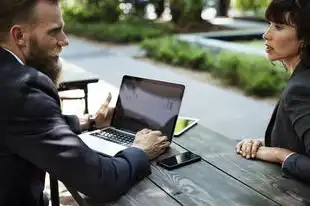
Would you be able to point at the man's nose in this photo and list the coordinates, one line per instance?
(64, 42)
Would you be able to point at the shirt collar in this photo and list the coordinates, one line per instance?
(17, 58)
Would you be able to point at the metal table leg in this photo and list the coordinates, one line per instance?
(86, 99)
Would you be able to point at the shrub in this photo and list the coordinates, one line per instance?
(263, 78)
(173, 51)
(91, 11)
(252, 5)
(120, 32)
(226, 66)
(253, 74)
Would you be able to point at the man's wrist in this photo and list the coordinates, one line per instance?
(84, 122)
(140, 148)
(91, 122)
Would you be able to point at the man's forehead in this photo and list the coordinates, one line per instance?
(48, 14)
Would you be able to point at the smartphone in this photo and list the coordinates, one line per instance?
(183, 124)
(179, 160)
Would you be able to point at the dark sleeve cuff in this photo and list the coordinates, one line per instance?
(288, 164)
(74, 123)
(139, 162)
(296, 166)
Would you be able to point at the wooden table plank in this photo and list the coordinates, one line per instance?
(195, 184)
(263, 177)
(144, 193)
(202, 184)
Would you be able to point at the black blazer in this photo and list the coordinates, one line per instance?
(289, 126)
(36, 138)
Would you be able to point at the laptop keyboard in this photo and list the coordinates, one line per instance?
(115, 136)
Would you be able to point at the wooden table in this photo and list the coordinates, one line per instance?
(222, 178)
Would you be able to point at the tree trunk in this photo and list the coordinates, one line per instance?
(140, 6)
(222, 7)
(159, 7)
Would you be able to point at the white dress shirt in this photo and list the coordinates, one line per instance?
(17, 58)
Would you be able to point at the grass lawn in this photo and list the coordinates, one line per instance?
(255, 43)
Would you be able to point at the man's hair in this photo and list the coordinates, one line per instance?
(15, 12)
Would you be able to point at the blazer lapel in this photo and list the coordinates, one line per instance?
(299, 68)
(270, 126)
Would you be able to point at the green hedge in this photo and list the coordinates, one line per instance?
(119, 32)
(253, 74)
(91, 10)
(254, 5)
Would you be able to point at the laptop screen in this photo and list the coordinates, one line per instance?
(144, 103)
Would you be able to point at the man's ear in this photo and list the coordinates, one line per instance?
(19, 35)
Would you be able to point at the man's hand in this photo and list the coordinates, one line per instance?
(273, 154)
(248, 148)
(104, 114)
(151, 142)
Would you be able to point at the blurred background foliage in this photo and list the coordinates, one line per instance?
(124, 21)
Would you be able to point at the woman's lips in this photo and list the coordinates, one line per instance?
(268, 48)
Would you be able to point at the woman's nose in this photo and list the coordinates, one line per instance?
(266, 35)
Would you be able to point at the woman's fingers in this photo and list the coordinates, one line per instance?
(239, 146)
(255, 147)
(248, 150)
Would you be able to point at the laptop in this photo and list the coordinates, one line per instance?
(141, 103)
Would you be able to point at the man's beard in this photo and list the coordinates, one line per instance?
(42, 61)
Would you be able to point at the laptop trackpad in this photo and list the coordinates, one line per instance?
(101, 145)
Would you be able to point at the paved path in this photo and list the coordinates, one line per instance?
(221, 110)
(238, 23)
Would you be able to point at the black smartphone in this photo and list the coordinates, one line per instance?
(179, 160)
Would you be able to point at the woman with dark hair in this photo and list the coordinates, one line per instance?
(287, 137)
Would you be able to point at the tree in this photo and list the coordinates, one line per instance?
(186, 11)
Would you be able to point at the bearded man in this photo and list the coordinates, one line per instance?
(35, 136)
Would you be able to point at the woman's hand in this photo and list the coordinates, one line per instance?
(248, 148)
(254, 149)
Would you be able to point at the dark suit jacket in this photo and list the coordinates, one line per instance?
(289, 126)
(36, 138)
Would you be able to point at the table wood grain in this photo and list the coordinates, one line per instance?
(265, 178)
(221, 178)
(144, 193)
(202, 184)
